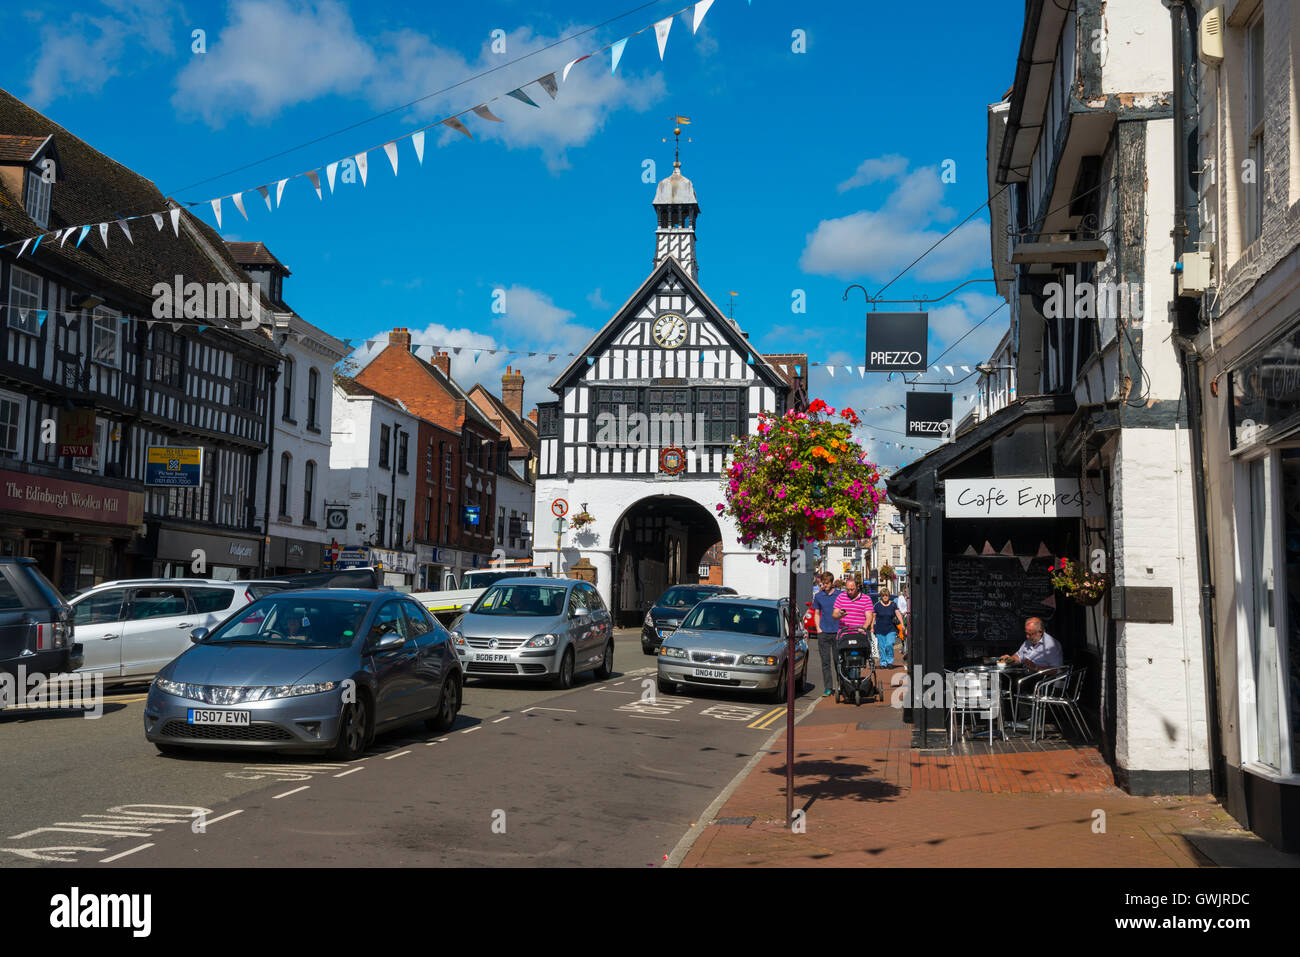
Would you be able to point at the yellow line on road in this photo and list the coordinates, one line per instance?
(770, 716)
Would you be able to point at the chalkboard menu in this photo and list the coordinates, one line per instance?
(989, 597)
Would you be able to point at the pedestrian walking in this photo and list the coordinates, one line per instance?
(853, 608)
(824, 609)
(888, 625)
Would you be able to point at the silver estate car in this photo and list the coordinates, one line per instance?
(536, 628)
(734, 642)
(307, 670)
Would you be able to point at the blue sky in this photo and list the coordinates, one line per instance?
(814, 169)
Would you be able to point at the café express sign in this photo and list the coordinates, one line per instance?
(1018, 498)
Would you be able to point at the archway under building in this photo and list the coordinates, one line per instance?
(659, 541)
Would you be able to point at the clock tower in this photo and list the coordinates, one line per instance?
(677, 210)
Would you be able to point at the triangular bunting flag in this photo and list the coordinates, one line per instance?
(661, 34)
(391, 150)
(238, 199)
(66, 233)
(216, 210)
(616, 54)
(564, 76)
(1024, 562)
(476, 355)
(701, 9)
(347, 343)
(103, 234)
(330, 171)
(848, 369)
(176, 220)
(988, 549)
(1042, 551)
(522, 97)
(24, 247)
(176, 326)
(361, 166)
(455, 350)
(157, 220)
(1007, 549)
(315, 181)
(41, 315)
(548, 84)
(279, 192)
(970, 550)
(125, 228)
(84, 231)
(37, 243)
(266, 197)
(204, 328)
(482, 111)
(831, 370)
(458, 126)
(964, 369)
(949, 368)
(591, 360)
(862, 372)
(417, 140)
(1049, 601)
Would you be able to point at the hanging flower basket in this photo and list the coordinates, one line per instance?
(581, 520)
(1081, 586)
(887, 573)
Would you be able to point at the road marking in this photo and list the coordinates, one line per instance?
(294, 791)
(397, 755)
(499, 720)
(617, 683)
(352, 771)
(56, 853)
(475, 728)
(223, 817)
(115, 857)
(442, 739)
(612, 691)
(732, 712)
(602, 687)
(650, 717)
(569, 710)
(767, 720)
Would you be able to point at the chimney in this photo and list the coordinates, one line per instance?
(401, 338)
(443, 362)
(533, 415)
(512, 391)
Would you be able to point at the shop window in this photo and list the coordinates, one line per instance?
(11, 425)
(24, 300)
(94, 463)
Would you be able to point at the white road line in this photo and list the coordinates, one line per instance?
(499, 720)
(352, 771)
(142, 847)
(475, 728)
(601, 688)
(443, 739)
(397, 755)
(222, 818)
(617, 683)
(650, 717)
(294, 791)
(429, 744)
(569, 710)
(612, 691)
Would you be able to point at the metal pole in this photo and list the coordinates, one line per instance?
(789, 710)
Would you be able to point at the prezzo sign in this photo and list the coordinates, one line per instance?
(1018, 498)
(929, 414)
(896, 341)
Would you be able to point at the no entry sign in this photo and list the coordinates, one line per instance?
(559, 508)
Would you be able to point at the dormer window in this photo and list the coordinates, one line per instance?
(36, 199)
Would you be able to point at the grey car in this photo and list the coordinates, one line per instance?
(539, 628)
(734, 642)
(324, 669)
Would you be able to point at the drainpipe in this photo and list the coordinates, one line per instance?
(1186, 227)
(272, 377)
(918, 556)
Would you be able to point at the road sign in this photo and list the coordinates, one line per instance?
(557, 526)
(559, 508)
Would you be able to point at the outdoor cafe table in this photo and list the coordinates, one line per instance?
(1007, 674)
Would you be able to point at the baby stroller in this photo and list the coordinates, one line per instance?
(855, 660)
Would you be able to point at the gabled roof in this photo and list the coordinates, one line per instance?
(606, 335)
(450, 384)
(20, 149)
(520, 425)
(354, 389)
(255, 254)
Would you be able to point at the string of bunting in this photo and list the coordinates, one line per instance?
(360, 161)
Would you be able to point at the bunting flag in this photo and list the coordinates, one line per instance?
(315, 181)
(361, 159)
(417, 140)
(266, 197)
(1043, 551)
(1007, 549)
(176, 220)
(550, 358)
(564, 75)
(157, 220)
(548, 84)
(458, 126)
(484, 113)
(391, 150)
(279, 192)
(661, 34)
(126, 229)
(41, 315)
(701, 9)
(616, 54)
(988, 549)
(85, 230)
(103, 234)
(831, 370)
(66, 233)
(330, 171)
(970, 550)
(216, 210)
(1024, 562)
(1049, 601)
(522, 97)
(204, 328)
(238, 199)
(591, 360)
(24, 247)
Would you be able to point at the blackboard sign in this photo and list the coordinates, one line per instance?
(989, 597)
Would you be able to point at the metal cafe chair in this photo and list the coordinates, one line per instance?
(1048, 693)
(975, 693)
(1070, 703)
(1022, 689)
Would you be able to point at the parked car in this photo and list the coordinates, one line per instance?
(35, 624)
(734, 642)
(666, 614)
(537, 628)
(131, 628)
(321, 669)
(447, 606)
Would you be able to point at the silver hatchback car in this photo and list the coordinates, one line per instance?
(734, 642)
(536, 628)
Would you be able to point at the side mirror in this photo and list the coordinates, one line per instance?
(198, 634)
(388, 641)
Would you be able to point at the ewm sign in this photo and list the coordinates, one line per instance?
(897, 341)
(929, 414)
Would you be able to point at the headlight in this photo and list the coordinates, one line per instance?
(649, 620)
(221, 695)
(540, 641)
(171, 687)
(457, 637)
(290, 691)
(669, 652)
(768, 660)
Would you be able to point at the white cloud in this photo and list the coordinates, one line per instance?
(597, 301)
(877, 244)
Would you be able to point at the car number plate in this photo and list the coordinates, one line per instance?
(491, 657)
(243, 718)
(711, 673)
(666, 632)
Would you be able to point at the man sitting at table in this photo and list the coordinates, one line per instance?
(1039, 650)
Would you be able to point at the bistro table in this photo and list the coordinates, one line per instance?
(1006, 674)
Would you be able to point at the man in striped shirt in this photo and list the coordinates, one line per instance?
(853, 608)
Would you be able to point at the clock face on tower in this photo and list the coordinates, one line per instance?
(670, 330)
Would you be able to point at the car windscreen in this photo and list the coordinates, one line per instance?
(483, 579)
(46, 587)
(522, 599)
(307, 622)
(683, 596)
(758, 620)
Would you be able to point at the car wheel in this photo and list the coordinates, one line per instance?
(449, 708)
(354, 730)
(667, 687)
(606, 666)
(171, 750)
(648, 649)
(777, 694)
(565, 677)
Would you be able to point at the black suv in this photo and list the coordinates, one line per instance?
(35, 622)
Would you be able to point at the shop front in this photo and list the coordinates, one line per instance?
(399, 568)
(78, 532)
(290, 556)
(182, 553)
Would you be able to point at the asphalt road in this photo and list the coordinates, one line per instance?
(608, 773)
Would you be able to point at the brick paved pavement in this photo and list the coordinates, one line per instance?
(872, 801)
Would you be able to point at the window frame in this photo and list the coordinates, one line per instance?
(1255, 114)
(290, 369)
(385, 441)
(313, 399)
(107, 321)
(308, 490)
(167, 358)
(19, 426)
(14, 319)
(43, 195)
(286, 470)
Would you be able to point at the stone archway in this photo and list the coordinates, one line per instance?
(658, 541)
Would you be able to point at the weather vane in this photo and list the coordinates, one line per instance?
(680, 121)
